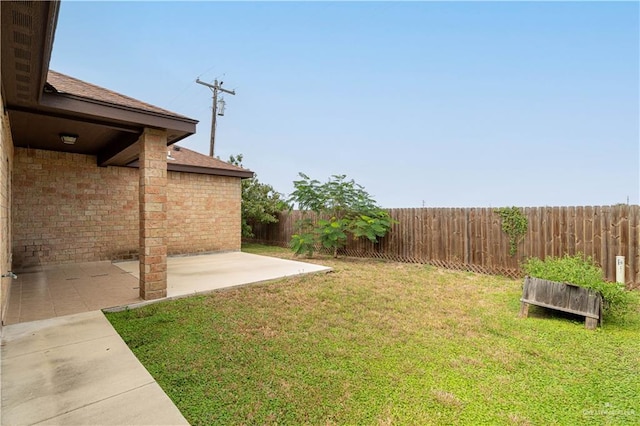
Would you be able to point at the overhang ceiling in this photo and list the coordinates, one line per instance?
(107, 124)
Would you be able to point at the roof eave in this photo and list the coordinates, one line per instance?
(184, 168)
(85, 106)
(52, 24)
(243, 174)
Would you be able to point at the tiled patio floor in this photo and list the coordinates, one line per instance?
(59, 290)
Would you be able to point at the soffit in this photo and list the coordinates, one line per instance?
(27, 34)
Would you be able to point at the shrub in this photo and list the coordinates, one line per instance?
(583, 272)
(350, 210)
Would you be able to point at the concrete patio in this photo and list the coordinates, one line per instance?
(57, 290)
(189, 275)
(70, 367)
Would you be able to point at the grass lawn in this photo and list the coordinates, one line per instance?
(379, 342)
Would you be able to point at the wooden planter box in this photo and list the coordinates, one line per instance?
(562, 297)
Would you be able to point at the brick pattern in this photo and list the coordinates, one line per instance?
(6, 163)
(153, 214)
(66, 210)
(202, 220)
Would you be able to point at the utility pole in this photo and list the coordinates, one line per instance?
(215, 88)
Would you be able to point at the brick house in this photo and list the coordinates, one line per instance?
(88, 174)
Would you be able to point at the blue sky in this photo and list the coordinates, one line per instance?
(441, 104)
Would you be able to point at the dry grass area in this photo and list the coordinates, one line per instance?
(384, 343)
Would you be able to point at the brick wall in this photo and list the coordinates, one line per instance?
(199, 220)
(66, 209)
(6, 163)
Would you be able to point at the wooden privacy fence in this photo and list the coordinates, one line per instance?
(472, 238)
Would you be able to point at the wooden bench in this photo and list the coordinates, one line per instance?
(564, 297)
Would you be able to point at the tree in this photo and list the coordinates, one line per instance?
(260, 202)
(343, 207)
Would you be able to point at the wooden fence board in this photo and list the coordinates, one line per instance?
(571, 230)
(472, 238)
(633, 262)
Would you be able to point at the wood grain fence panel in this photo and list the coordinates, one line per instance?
(494, 235)
(545, 229)
(414, 231)
(541, 252)
(539, 241)
(588, 231)
(484, 240)
(444, 240)
(571, 231)
(624, 233)
(606, 246)
(426, 248)
(598, 213)
(616, 245)
(579, 229)
(555, 232)
(436, 229)
(465, 236)
(453, 245)
(406, 235)
(472, 238)
(449, 250)
(462, 234)
(562, 231)
(488, 231)
(634, 243)
(420, 234)
(609, 235)
(481, 238)
(430, 219)
(409, 234)
(460, 219)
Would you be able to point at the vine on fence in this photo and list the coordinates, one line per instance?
(514, 224)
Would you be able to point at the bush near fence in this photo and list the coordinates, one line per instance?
(472, 239)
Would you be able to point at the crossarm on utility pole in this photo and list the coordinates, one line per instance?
(215, 88)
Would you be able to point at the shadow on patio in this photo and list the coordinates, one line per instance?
(59, 290)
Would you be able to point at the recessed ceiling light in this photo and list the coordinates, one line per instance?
(68, 139)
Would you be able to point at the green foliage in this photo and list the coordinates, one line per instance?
(260, 202)
(304, 241)
(350, 210)
(333, 232)
(372, 226)
(514, 224)
(582, 272)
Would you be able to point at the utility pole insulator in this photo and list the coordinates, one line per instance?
(215, 88)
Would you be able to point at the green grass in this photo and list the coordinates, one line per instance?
(384, 343)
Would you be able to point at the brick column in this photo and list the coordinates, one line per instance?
(153, 214)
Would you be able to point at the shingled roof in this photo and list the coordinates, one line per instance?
(61, 83)
(180, 159)
(185, 157)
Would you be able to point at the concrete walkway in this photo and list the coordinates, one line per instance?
(76, 370)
